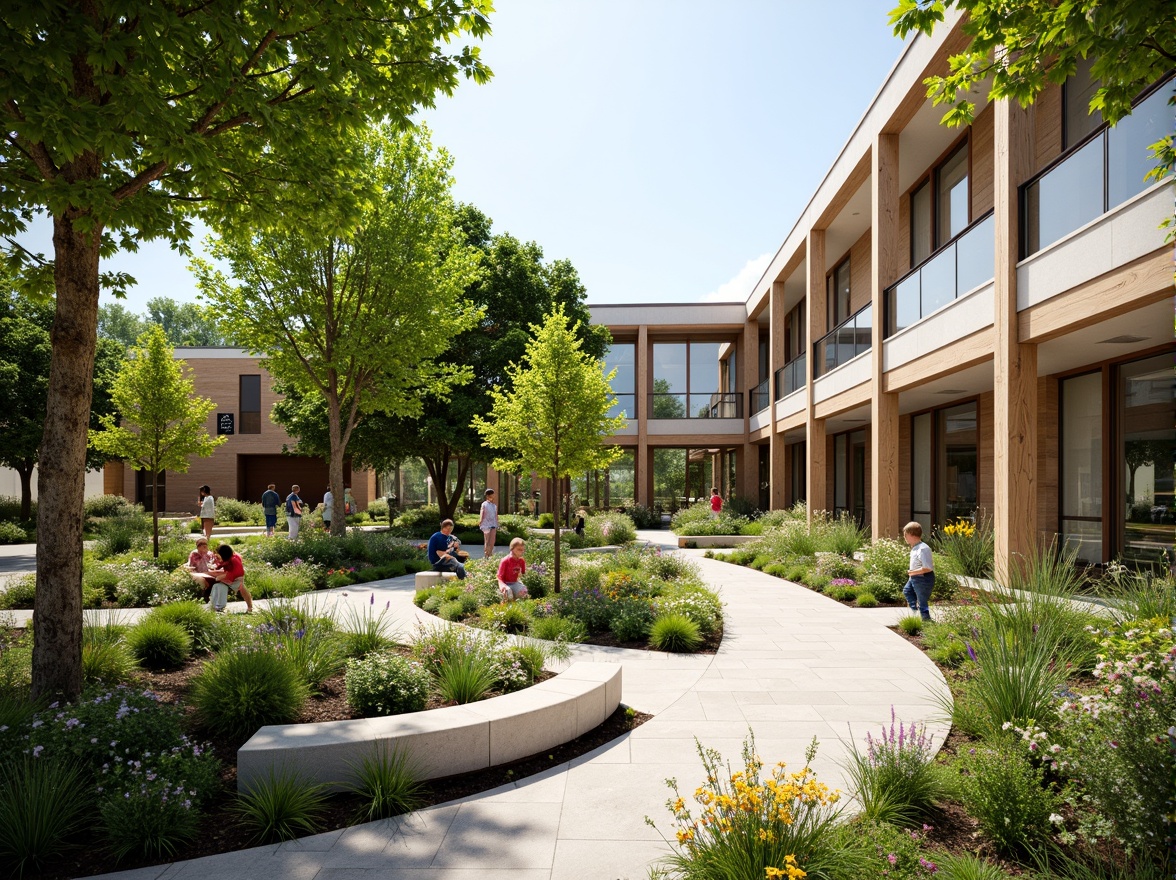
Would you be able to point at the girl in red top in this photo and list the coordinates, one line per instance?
(200, 563)
(232, 573)
(716, 503)
(510, 570)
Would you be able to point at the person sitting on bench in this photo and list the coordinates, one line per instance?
(443, 549)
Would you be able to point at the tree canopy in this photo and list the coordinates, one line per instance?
(183, 323)
(160, 423)
(554, 417)
(121, 119)
(357, 320)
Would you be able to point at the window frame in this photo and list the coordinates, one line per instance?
(930, 178)
(250, 426)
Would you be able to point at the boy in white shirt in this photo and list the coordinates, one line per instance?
(920, 574)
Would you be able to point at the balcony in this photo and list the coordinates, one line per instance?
(759, 397)
(1097, 176)
(963, 264)
(791, 376)
(716, 405)
(844, 342)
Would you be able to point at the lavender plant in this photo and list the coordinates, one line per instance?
(896, 779)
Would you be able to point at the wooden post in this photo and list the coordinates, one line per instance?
(778, 469)
(884, 249)
(642, 461)
(815, 428)
(1014, 363)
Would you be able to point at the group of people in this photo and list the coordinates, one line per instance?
(217, 573)
(270, 499)
(445, 553)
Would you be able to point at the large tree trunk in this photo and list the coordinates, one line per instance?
(335, 467)
(25, 471)
(438, 469)
(61, 476)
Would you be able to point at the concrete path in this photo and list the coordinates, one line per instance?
(793, 665)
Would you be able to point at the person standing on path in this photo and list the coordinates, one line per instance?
(488, 523)
(270, 500)
(207, 510)
(921, 572)
(328, 507)
(294, 512)
(716, 503)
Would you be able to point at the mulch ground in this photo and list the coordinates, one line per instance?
(223, 834)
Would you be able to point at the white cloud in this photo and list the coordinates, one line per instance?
(739, 287)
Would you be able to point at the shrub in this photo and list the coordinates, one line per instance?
(107, 663)
(894, 853)
(593, 608)
(643, 517)
(466, 677)
(159, 644)
(675, 633)
(883, 588)
(232, 510)
(365, 632)
(122, 532)
(42, 801)
(896, 779)
(632, 621)
(944, 645)
(837, 567)
(609, 528)
(842, 535)
(150, 814)
(1005, 793)
(699, 604)
(109, 505)
(966, 866)
(282, 806)
(912, 624)
(100, 577)
(557, 628)
(196, 619)
(141, 584)
(386, 684)
(389, 784)
(11, 533)
(546, 521)
(750, 824)
(239, 691)
(866, 600)
(969, 545)
(19, 592)
(889, 559)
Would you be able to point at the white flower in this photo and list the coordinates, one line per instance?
(1056, 819)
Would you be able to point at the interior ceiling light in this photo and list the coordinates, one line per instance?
(1122, 340)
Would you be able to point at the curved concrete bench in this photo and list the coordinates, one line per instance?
(442, 742)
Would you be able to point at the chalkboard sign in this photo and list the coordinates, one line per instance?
(225, 422)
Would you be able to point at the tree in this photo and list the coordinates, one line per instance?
(120, 119)
(183, 323)
(553, 418)
(666, 404)
(25, 348)
(357, 319)
(117, 322)
(1024, 46)
(161, 424)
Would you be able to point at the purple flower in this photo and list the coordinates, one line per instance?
(892, 858)
(372, 601)
(37, 751)
(971, 652)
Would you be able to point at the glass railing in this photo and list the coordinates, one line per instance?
(759, 396)
(696, 406)
(844, 342)
(963, 264)
(1099, 175)
(790, 377)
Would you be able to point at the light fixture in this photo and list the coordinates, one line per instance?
(1122, 340)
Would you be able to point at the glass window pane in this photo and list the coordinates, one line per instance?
(957, 462)
(840, 473)
(704, 367)
(904, 304)
(1129, 158)
(1081, 465)
(669, 478)
(669, 367)
(939, 279)
(1066, 198)
(974, 256)
(1076, 95)
(250, 394)
(951, 196)
(621, 356)
(843, 291)
(921, 469)
(921, 224)
(625, 406)
(863, 327)
(620, 482)
(1147, 452)
(667, 406)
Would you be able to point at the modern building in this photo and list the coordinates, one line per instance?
(959, 320)
(255, 449)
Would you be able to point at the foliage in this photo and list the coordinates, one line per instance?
(554, 417)
(1137, 595)
(592, 607)
(604, 529)
(841, 535)
(1005, 792)
(966, 866)
(11, 533)
(887, 558)
(676, 633)
(697, 519)
(866, 600)
(159, 644)
(121, 532)
(141, 584)
(42, 801)
(196, 619)
(184, 323)
(896, 779)
(388, 782)
(894, 853)
(355, 321)
(386, 684)
(241, 690)
(18, 592)
(643, 517)
(912, 624)
(306, 642)
(282, 805)
(153, 816)
(750, 826)
(632, 620)
(466, 677)
(969, 545)
(555, 627)
(106, 662)
(364, 632)
(700, 605)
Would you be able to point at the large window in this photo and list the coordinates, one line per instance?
(837, 294)
(940, 205)
(621, 357)
(849, 475)
(1081, 472)
(798, 470)
(1146, 434)
(944, 465)
(686, 382)
(606, 489)
(249, 406)
(1077, 119)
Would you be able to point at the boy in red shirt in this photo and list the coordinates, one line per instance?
(510, 572)
(232, 574)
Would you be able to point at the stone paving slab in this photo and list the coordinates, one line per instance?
(793, 665)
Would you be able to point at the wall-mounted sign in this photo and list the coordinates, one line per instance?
(225, 422)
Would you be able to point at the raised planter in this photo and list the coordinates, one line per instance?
(715, 540)
(442, 742)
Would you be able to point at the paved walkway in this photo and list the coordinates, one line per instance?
(793, 665)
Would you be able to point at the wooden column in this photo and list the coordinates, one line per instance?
(815, 428)
(1014, 362)
(884, 248)
(642, 462)
(747, 464)
(779, 468)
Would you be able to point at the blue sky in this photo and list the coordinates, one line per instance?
(666, 149)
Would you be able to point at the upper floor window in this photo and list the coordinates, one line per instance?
(1078, 121)
(621, 357)
(794, 333)
(837, 294)
(249, 406)
(940, 205)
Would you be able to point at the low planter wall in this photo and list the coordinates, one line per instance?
(442, 742)
(715, 540)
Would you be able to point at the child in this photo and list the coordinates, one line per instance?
(488, 523)
(716, 503)
(232, 575)
(510, 570)
(200, 564)
(207, 511)
(920, 574)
